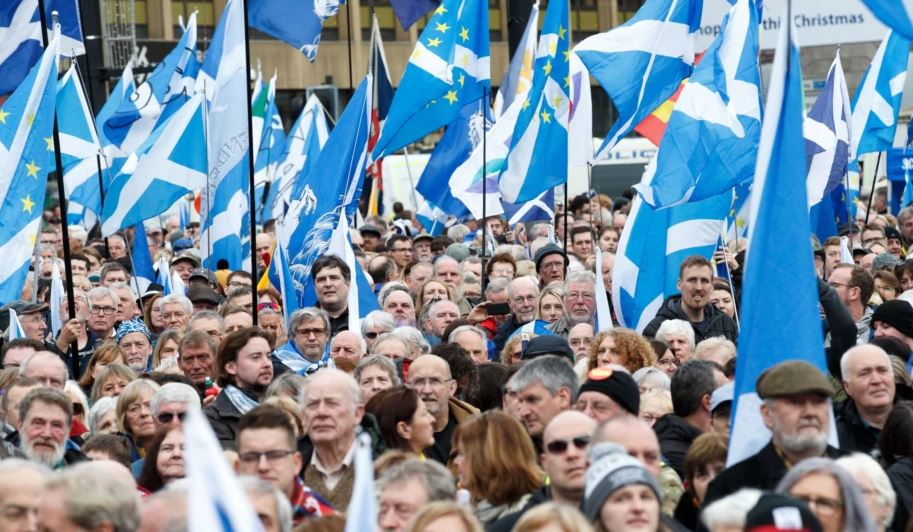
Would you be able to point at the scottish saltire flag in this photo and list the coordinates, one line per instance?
(383, 97)
(433, 219)
(71, 41)
(302, 145)
(448, 69)
(225, 216)
(778, 284)
(217, 502)
(827, 148)
(580, 122)
(163, 92)
(362, 514)
(409, 11)
(603, 316)
(121, 92)
(519, 77)
(641, 63)
(26, 156)
(280, 277)
(143, 272)
(171, 163)
(537, 160)
(14, 330)
(297, 22)
(653, 244)
(20, 42)
(328, 192)
(80, 148)
(895, 14)
(163, 275)
(58, 293)
(876, 103)
(535, 328)
(541, 207)
(712, 136)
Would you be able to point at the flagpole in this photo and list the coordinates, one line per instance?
(61, 192)
(250, 165)
(484, 184)
(872, 192)
(348, 42)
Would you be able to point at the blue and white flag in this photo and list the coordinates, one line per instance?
(171, 163)
(433, 219)
(329, 191)
(162, 93)
(20, 42)
(711, 139)
(304, 142)
(361, 514)
(779, 282)
(876, 103)
(535, 328)
(361, 299)
(653, 244)
(519, 77)
(297, 22)
(827, 148)
(217, 502)
(14, 330)
(643, 61)
(225, 216)
(895, 14)
(266, 164)
(281, 277)
(122, 91)
(541, 207)
(537, 160)
(26, 156)
(448, 69)
(71, 40)
(143, 272)
(80, 148)
(409, 11)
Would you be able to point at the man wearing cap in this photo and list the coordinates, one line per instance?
(894, 318)
(551, 264)
(796, 409)
(421, 247)
(31, 317)
(134, 338)
(548, 344)
(893, 242)
(608, 393)
(695, 283)
(545, 387)
(370, 237)
(721, 408)
(183, 264)
(869, 383)
(854, 286)
(203, 298)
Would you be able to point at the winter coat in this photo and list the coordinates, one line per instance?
(715, 323)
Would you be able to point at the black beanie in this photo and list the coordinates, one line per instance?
(898, 314)
(616, 385)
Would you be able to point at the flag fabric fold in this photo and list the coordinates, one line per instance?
(409, 11)
(303, 144)
(296, 22)
(895, 14)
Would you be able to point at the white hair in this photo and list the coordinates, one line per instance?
(676, 328)
(730, 511)
(846, 359)
(863, 465)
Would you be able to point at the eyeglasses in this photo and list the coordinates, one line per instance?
(825, 505)
(834, 284)
(434, 382)
(107, 311)
(167, 417)
(273, 457)
(560, 446)
(308, 332)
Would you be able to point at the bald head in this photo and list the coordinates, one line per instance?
(865, 352)
(636, 436)
(347, 344)
(332, 401)
(868, 379)
(430, 377)
(569, 420)
(433, 362)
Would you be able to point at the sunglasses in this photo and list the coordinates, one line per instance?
(167, 417)
(560, 446)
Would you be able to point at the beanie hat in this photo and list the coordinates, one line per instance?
(611, 468)
(898, 314)
(546, 250)
(775, 511)
(616, 385)
(457, 252)
(131, 326)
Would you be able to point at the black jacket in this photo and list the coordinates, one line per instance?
(763, 471)
(715, 323)
(507, 523)
(839, 322)
(224, 418)
(901, 476)
(504, 332)
(855, 434)
(675, 437)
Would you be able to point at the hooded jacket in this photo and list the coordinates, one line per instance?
(715, 322)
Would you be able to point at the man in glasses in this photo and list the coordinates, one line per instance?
(306, 350)
(564, 459)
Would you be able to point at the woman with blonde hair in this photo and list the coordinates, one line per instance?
(441, 515)
(623, 347)
(166, 346)
(513, 348)
(111, 381)
(496, 462)
(134, 416)
(553, 517)
(550, 306)
(431, 290)
(107, 353)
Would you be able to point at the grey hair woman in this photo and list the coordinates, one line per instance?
(875, 486)
(831, 493)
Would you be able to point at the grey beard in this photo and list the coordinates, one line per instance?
(811, 445)
(49, 460)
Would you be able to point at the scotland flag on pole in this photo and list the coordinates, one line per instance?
(895, 14)
(641, 63)
(448, 69)
(20, 42)
(653, 243)
(711, 139)
(163, 93)
(519, 76)
(171, 163)
(297, 22)
(80, 150)
(877, 100)
(538, 147)
(26, 155)
(327, 192)
(125, 87)
(302, 146)
(779, 282)
(225, 225)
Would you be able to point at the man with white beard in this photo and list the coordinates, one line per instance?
(46, 416)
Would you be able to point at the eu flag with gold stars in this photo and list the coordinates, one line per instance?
(449, 68)
(538, 150)
(26, 155)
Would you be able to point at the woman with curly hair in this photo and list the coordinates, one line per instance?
(623, 347)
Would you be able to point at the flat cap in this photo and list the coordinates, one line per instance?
(792, 378)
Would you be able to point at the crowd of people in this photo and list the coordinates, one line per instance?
(491, 398)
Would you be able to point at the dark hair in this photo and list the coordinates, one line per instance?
(582, 230)
(860, 278)
(896, 440)
(892, 346)
(111, 266)
(506, 258)
(150, 478)
(659, 347)
(79, 257)
(397, 238)
(462, 369)
(268, 417)
(20, 342)
(694, 260)
(382, 268)
(489, 393)
(161, 378)
(440, 243)
(389, 407)
(693, 380)
(331, 261)
(238, 273)
(231, 344)
(114, 446)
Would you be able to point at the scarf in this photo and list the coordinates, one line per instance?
(290, 356)
(243, 402)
